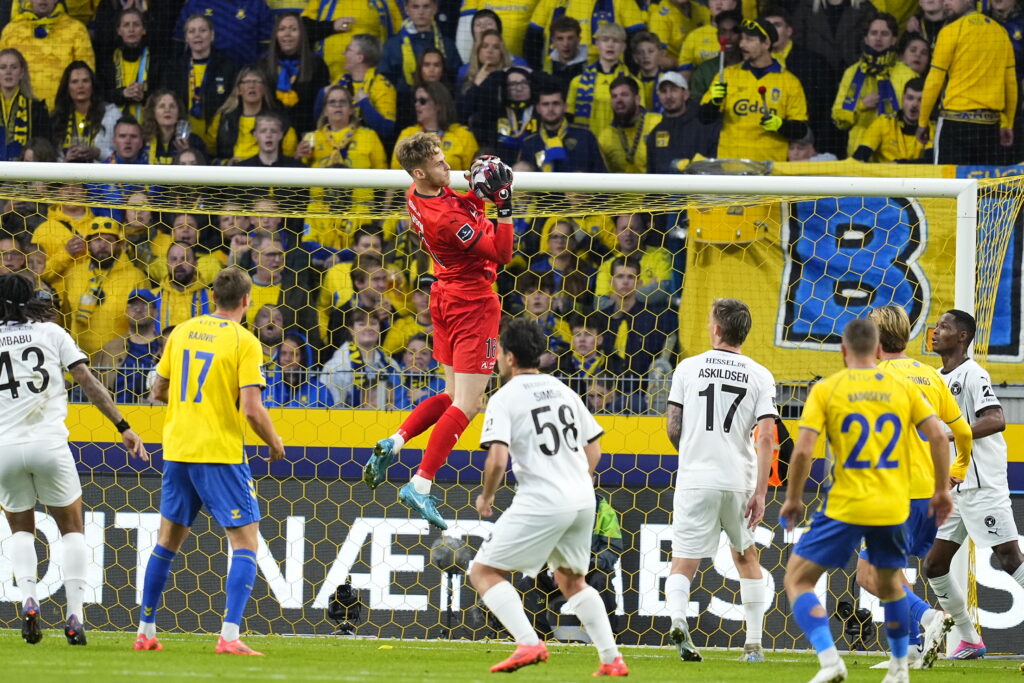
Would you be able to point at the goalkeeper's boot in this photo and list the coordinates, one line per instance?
(380, 460)
(931, 641)
(74, 631)
(616, 668)
(525, 655)
(424, 504)
(967, 650)
(680, 637)
(144, 643)
(30, 630)
(752, 652)
(235, 647)
(835, 673)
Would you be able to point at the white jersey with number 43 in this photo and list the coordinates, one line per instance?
(971, 387)
(33, 401)
(723, 396)
(545, 426)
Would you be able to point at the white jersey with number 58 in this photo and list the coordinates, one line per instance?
(971, 386)
(723, 396)
(545, 426)
(33, 401)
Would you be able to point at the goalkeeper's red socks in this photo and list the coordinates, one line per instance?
(423, 416)
(446, 434)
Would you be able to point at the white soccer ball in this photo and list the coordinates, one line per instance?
(478, 177)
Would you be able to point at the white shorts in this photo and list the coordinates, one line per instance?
(526, 541)
(983, 514)
(43, 471)
(699, 516)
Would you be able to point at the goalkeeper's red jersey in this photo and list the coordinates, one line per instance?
(462, 241)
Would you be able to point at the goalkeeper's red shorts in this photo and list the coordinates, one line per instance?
(465, 330)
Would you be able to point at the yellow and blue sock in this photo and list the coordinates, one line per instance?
(812, 618)
(897, 626)
(917, 608)
(158, 569)
(241, 577)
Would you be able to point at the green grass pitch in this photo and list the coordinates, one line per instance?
(109, 658)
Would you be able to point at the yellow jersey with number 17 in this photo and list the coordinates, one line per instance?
(869, 417)
(208, 360)
(934, 389)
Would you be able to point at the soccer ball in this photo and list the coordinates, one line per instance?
(478, 173)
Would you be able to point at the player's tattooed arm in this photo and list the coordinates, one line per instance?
(674, 423)
(990, 421)
(101, 398)
(158, 394)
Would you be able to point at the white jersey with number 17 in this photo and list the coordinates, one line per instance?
(972, 388)
(33, 401)
(545, 426)
(723, 396)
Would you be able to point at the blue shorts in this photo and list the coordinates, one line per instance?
(829, 543)
(920, 529)
(227, 491)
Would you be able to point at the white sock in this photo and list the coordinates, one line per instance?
(829, 657)
(952, 600)
(677, 596)
(421, 484)
(399, 441)
(76, 560)
(504, 603)
(755, 604)
(1018, 575)
(589, 608)
(229, 631)
(926, 618)
(147, 628)
(24, 563)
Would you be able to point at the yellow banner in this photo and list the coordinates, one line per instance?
(808, 267)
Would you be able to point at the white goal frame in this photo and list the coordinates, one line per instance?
(964, 191)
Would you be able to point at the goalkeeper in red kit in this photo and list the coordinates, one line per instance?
(467, 249)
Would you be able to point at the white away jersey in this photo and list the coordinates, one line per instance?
(723, 395)
(33, 401)
(545, 425)
(970, 385)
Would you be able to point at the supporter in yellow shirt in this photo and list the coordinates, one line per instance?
(375, 98)
(333, 24)
(435, 113)
(655, 261)
(874, 85)
(673, 20)
(701, 44)
(514, 16)
(624, 143)
(182, 293)
(589, 97)
(97, 288)
(760, 104)
(973, 71)
(893, 137)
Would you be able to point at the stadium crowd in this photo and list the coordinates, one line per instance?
(340, 305)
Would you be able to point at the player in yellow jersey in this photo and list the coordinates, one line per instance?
(920, 528)
(869, 415)
(210, 377)
(761, 105)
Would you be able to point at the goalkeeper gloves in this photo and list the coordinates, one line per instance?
(495, 184)
(718, 90)
(771, 122)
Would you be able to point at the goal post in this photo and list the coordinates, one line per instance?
(771, 240)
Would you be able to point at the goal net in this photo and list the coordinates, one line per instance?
(806, 253)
